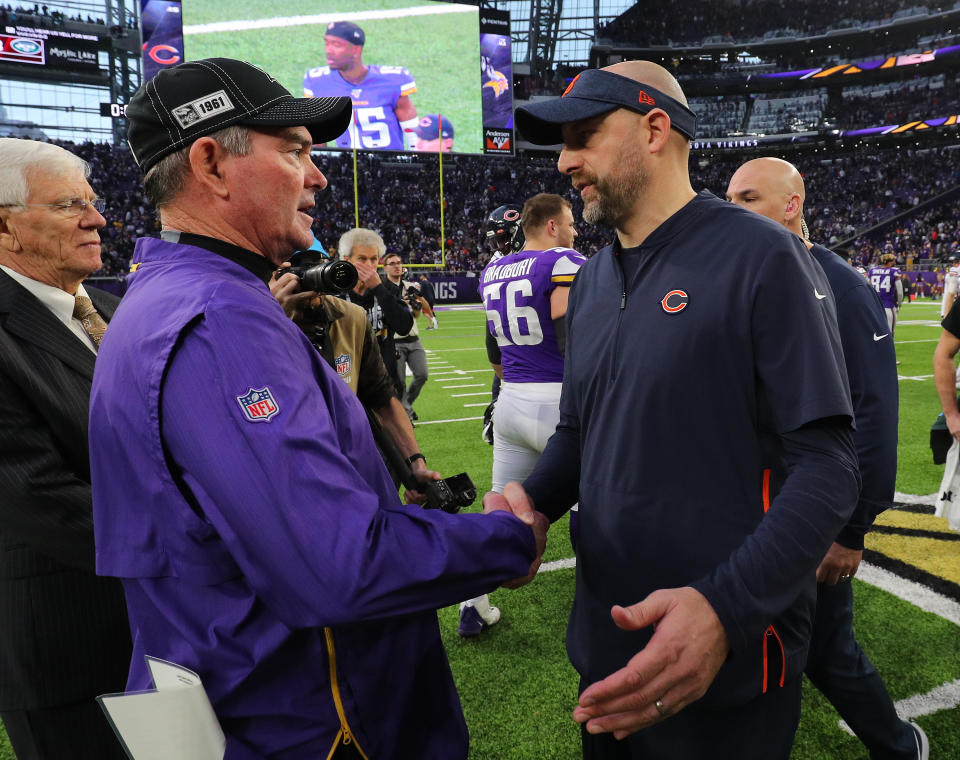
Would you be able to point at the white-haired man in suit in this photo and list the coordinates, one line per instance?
(64, 635)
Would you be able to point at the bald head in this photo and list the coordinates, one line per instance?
(772, 187)
(651, 74)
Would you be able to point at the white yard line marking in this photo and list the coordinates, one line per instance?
(441, 422)
(471, 385)
(464, 395)
(928, 340)
(918, 378)
(485, 403)
(449, 350)
(910, 591)
(462, 372)
(241, 25)
(946, 696)
(908, 498)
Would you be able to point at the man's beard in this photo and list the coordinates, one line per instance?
(615, 196)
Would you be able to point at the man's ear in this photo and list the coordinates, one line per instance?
(658, 123)
(793, 208)
(8, 240)
(206, 158)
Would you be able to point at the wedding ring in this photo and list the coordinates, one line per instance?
(660, 708)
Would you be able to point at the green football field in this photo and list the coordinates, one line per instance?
(515, 683)
(442, 52)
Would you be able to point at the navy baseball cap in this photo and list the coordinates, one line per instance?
(346, 31)
(594, 92)
(434, 125)
(197, 98)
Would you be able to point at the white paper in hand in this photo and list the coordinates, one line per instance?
(174, 721)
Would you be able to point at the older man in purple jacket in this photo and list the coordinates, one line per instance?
(237, 489)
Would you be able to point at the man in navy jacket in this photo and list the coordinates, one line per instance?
(698, 340)
(837, 666)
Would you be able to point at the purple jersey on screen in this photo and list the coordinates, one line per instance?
(374, 99)
(884, 281)
(516, 294)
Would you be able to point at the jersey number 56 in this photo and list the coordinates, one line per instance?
(515, 290)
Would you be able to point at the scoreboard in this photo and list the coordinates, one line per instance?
(55, 50)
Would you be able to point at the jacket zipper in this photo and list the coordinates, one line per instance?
(345, 736)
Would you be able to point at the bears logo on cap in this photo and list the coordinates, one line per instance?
(570, 86)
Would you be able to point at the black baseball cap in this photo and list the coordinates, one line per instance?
(346, 31)
(197, 98)
(594, 92)
(432, 126)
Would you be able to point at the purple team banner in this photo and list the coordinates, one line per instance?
(846, 69)
(455, 288)
(496, 81)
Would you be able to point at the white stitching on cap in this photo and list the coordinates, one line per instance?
(159, 111)
(218, 72)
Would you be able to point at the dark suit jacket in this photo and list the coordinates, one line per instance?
(64, 634)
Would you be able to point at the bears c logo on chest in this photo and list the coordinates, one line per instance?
(674, 301)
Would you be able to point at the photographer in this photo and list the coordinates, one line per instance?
(409, 349)
(386, 311)
(339, 330)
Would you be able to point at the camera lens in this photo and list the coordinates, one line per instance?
(330, 277)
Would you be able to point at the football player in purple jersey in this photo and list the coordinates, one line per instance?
(886, 281)
(384, 117)
(525, 296)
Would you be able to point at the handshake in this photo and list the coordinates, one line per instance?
(515, 501)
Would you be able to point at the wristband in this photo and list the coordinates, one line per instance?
(414, 457)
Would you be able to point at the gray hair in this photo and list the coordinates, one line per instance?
(360, 236)
(167, 177)
(19, 157)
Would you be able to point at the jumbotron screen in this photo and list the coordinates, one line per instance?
(28, 43)
(419, 73)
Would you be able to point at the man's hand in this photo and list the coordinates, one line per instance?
(516, 501)
(423, 475)
(674, 669)
(840, 565)
(367, 276)
(286, 289)
(953, 424)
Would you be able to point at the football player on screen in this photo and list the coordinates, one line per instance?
(384, 117)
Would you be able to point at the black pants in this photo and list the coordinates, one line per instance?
(759, 730)
(66, 732)
(841, 671)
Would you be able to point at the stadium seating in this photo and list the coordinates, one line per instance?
(849, 192)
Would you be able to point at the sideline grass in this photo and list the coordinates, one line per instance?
(515, 682)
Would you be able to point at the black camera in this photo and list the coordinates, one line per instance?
(331, 277)
(412, 296)
(450, 494)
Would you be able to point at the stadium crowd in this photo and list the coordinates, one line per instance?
(400, 199)
(740, 20)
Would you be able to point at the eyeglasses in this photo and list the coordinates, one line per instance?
(72, 207)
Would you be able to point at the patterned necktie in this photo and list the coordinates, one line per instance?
(86, 312)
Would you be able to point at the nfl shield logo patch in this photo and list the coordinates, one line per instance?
(343, 365)
(258, 405)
